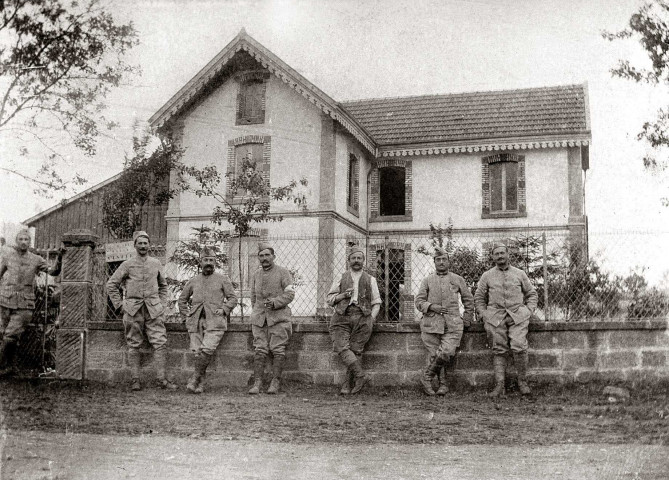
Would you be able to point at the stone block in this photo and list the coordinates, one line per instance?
(235, 361)
(481, 379)
(299, 377)
(545, 359)
(650, 358)
(104, 359)
(573, 360)
(587, 376)
(228, 379)
(556, 339)
(619, 359)
(548, 378)
(322, 378)
(633, 338)
(75, 306)
(70, 353)
(383, 379)
(319, 342)
(310, 361)
(236, 341)
(384, 342)
(99, 375)
(416, 361)
(379, 362)
(175, 360)
(108, 340)
(77, 264)
(474, 361)
(178, 341)
(414, 342)
(474, 342)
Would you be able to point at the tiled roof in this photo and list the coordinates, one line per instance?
(473, 116)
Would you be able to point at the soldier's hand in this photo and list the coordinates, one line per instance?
(269, 304)
(219, 311)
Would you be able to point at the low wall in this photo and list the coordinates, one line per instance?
(559, 352)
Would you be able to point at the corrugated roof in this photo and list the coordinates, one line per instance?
(471, 116)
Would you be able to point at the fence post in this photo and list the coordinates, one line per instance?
(76, 304)
(545, 272)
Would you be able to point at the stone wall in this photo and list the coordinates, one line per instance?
(559, 352)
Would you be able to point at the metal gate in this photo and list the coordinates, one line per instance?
(390, 278)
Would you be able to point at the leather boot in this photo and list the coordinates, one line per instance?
(499, 367)
(195, 381)
(359, 376)
(258, 370)
(160, 358)
(8, 350)
(277, 370)
(134, 363)
(348, 383)
(520, 359)
(430, 372)
(443, 385)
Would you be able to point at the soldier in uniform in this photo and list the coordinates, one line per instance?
(211, 298)
(271, 292)
(441, 325)
(18, 268)
(143, 308)
(505, 300)
(356, 300)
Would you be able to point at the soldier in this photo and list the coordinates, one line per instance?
(143, 308)
(505, 300)
(356, 300)
(18, 268)
(441, 325)
(271, 292)
(212, 298)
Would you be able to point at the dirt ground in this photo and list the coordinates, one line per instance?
(381, 423)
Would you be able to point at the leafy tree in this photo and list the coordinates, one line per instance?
(58, 62)
(649, 27)
(144, 182)
(249, 207)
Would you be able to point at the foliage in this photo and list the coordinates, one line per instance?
(58, 62)
(249, 206)
(144, 182)
(649, 26)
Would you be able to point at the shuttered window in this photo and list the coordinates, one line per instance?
(251, 108)
(504, 187)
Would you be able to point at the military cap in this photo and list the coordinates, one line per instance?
(23, 231)
(208, 251)
(439, 252)
(140, 233)
(497, 245)
(265, 246)
(356, 249)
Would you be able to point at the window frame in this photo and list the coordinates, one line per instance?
(251, 80)
(353, 185)
(375, 191)
(487, 186)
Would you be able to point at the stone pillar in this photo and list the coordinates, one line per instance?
(76, 305)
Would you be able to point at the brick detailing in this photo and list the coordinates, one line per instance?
(263, 167)
(485, 185)
(248, 80)
(69, 354)
(374, 202)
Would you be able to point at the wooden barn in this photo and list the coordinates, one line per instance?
(85, 211)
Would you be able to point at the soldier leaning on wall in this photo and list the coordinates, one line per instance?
(505, 300)
(212, 298)
(143, 308)
(441, 325)
(18, 268)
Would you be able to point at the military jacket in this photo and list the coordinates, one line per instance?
(17, 278)
(208, 293)
(505, 292)
(444, 290)
(275, 285)
(144, 283)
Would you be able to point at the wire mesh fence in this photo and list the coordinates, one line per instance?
(574, 281)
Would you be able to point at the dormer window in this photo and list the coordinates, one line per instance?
(251, 98)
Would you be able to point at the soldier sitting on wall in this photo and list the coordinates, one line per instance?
(212, 298)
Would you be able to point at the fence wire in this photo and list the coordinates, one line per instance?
(574, 281)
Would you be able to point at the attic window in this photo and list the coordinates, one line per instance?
(251, 99)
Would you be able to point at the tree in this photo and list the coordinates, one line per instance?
(649, 26)
(248, 207)
(58, 62)
(144, 182)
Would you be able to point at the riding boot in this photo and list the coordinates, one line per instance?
(195, 381)
(443, 377)
(520, 360)
(499, 367)
(134, 363)
(359, 376)
(258, 370)
(430, 372)
(160, 358)
(277, 370)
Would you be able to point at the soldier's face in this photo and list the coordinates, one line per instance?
(500, 256)
(22, 242)
(142, 245)
(356, 261)
(266, 258)
(441, 263)
(208, 265)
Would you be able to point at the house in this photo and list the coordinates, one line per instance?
(378, 170)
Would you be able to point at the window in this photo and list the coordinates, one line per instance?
(504, 187)
(392, 192)
(503, 178)
(254, 149)
(353, 184)
(250, 153)
(251, 100)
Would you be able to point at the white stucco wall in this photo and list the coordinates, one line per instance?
(450, 186)
(346, 145)
(293, 123)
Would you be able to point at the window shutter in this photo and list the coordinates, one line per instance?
(496, 186)
(511, 185)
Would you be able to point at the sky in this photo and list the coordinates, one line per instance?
(363, 49)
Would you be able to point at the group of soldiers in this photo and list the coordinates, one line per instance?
(504, 300)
